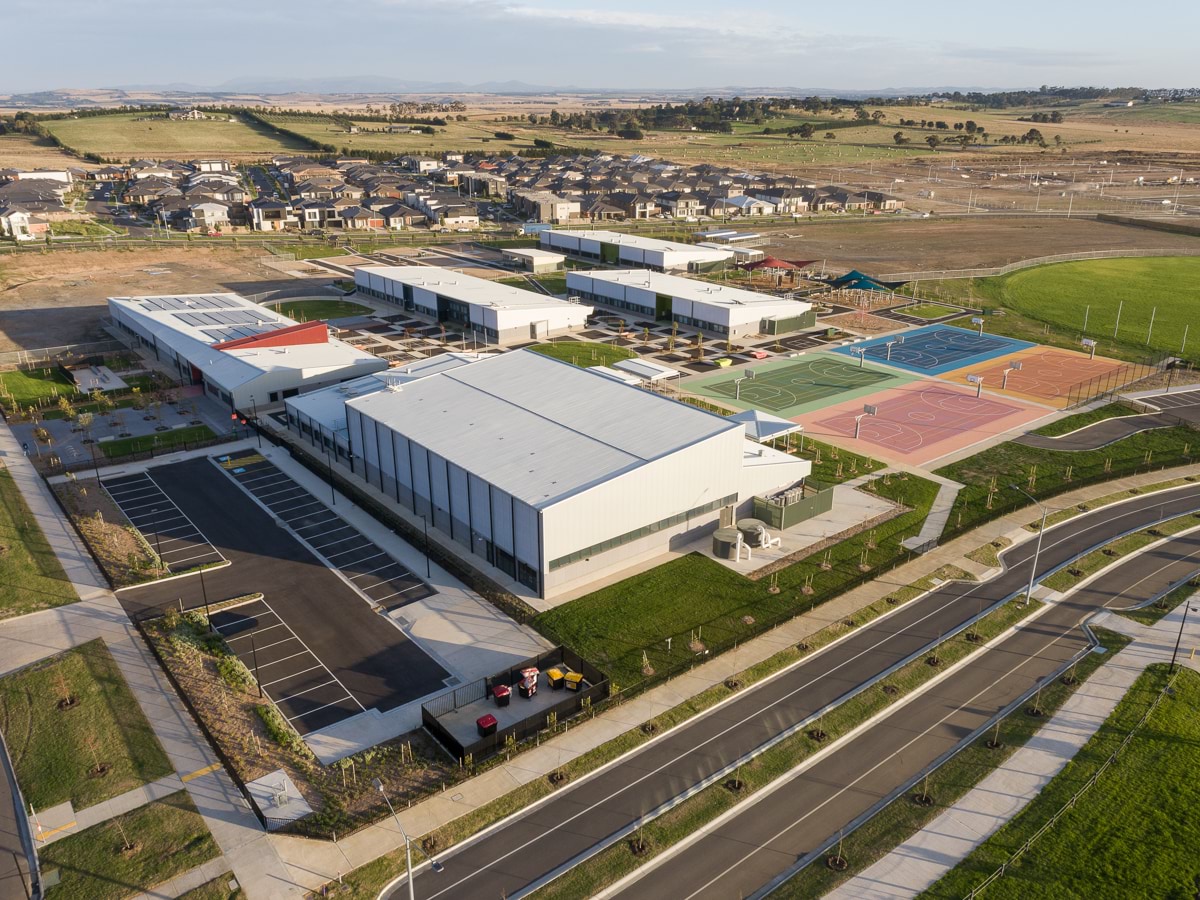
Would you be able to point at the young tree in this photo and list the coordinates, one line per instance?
(933, 140)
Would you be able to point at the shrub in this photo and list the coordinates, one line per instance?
(279, 730)
(235, 673)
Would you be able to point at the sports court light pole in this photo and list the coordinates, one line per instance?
(1037, 550)
(433, 863)
(1187, 606)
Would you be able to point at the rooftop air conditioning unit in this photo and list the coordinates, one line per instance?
(393, 381)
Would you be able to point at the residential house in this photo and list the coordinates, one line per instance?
(316, 214)
(359, 218)
(880, 200)
(185, 114)
(741, 205)
(681, 204)
(786, 200)
(545, 206)
(634, 205)
(272, 215)
(20, 224)
(422, 165)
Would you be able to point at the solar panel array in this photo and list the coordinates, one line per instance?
(233, 332)
(204, 301)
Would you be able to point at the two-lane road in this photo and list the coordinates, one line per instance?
(582, 818)
(752, 852)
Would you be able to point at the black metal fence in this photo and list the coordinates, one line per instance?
(572, 702)
(97, 460)
(1115, 380)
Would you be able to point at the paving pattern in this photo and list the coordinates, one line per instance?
(163, 524)
(340, 544)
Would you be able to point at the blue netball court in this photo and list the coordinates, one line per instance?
(934, 350)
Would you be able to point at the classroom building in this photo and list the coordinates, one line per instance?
(715, 308)
(242, 353)
(614, 248)
(486, 311)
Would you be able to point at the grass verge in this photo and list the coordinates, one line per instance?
(1133, 834)
(989, 554)
(617, 861)
(1045, 473)
(1062, 515)
(900, 820)
(34, 387)
(1067, 424)
(31, 577)
(163, 440)
(703, 606)
(75, 731)
(164, 839)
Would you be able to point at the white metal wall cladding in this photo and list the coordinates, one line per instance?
(696, 475)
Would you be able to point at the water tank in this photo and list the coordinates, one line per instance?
(750, 529)
(724, 545)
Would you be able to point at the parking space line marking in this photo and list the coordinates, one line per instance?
(267, 684)
(184, 549)
(238, 637)
(310, 690)
(372, 571)
(332, 556)
(284, 658)
(298, 506)
(353, 534)
(277, 643)
(190, 558)
(396, 594)
(275, 474)
(319, 708)
(150, 505)
(315, 524)
(290, 489)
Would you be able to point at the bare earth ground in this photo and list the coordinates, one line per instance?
(862, 323)
(910, 245)
(60, 298)
(23, 151)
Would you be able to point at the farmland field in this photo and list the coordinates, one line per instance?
(1061, 295)
(467, 136)
(126, 135)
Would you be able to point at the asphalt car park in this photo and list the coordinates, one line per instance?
(306, 692)
(375, 662)
(371, 570)
(175, 538)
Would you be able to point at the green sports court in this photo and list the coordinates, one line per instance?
(794, 386)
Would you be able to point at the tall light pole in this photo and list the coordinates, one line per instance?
(157, 539)
(1187, 606)
(257, 427)
(1037, 550)
(433, 863)
(425, 523)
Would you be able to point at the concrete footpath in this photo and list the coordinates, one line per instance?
(98, 614)
(313, 863)
(933, 851)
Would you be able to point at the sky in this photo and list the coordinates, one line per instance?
(617, 44)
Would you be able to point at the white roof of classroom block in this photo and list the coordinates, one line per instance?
(536, 427)
(191, 324)
(534, 254)
(634, 240)
(464, 288)
(761, 426)
(706, 292)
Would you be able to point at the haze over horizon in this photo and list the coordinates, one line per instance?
(619, 45)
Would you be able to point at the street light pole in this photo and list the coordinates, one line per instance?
(425, 523)
(257, 427)
(1179, 637)
(433, 863)
(204, 594)
(157, 539)
(1038, 549)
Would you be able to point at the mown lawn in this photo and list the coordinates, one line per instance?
(31, 577)
(167, 837)
(1133, 834)
(1009, 463)
(584, 353)
(126, 135)
(696, 598)
(163, 440)
(928, 310)
(554, 283)
(55, 750)
(35, 386)
(310, 310)
(1057, 297)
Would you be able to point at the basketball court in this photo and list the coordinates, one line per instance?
(934, 350)
(790, 387)
(1042, 374)
(918, 422)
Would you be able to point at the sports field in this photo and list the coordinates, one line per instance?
(791, 387)
(1064, 294)
(935, 349)
(918, 422)
(1055, 377)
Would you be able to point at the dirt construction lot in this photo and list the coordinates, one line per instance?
(59, 298)
(881, 247)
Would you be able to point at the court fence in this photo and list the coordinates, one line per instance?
(1110, 383)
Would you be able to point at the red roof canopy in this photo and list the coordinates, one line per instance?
(305, 333)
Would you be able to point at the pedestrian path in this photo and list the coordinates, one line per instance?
(925, 857)
(939, 512)
(190, 880)
(27, 639)
(55, 823)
